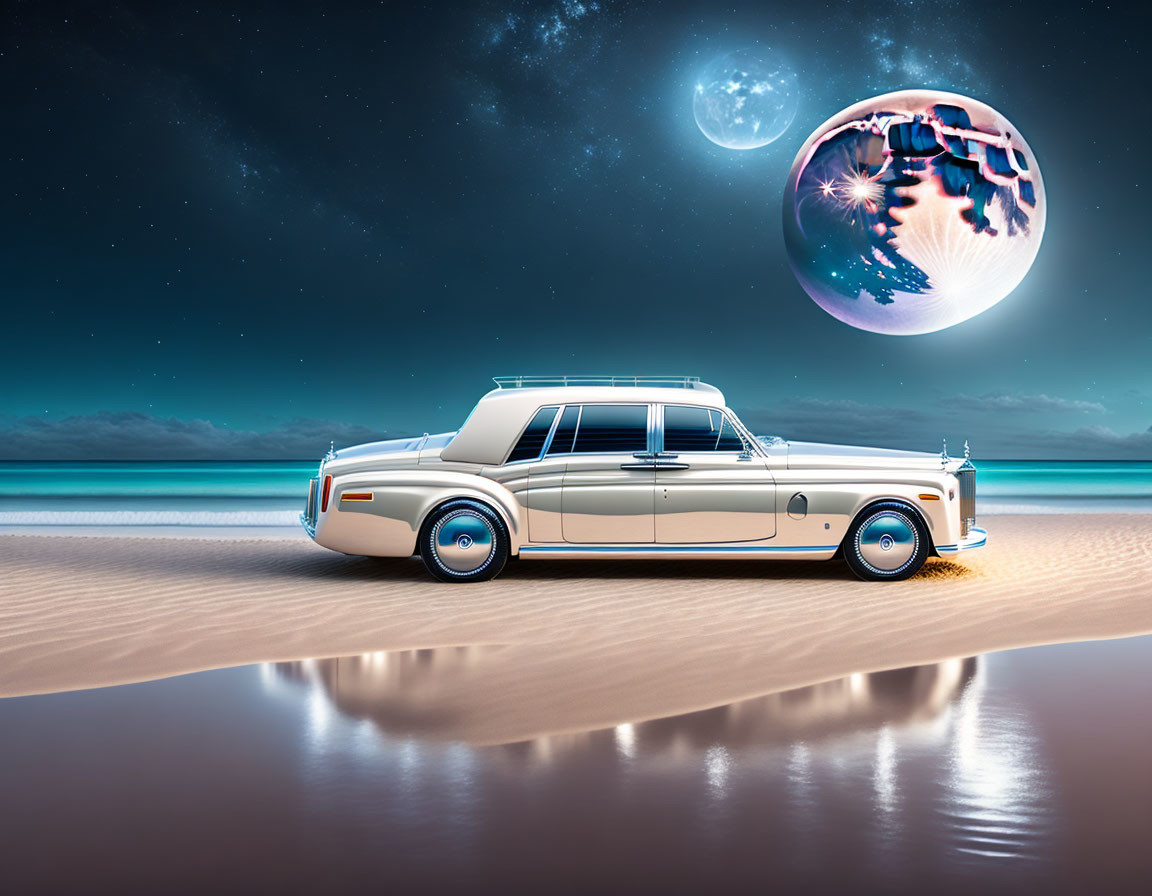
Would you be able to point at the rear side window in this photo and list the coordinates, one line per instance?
(565, 431)
(612, 427)
(698, 429)
(532, 442)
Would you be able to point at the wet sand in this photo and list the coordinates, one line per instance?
(586, 645)
(980, 775)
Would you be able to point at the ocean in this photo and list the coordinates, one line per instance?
(245, 496)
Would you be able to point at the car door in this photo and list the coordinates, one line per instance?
(709, 489)
(609, 482)
(540, 476)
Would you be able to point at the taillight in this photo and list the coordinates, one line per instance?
(325, 494)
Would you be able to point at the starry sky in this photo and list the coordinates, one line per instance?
(241, 229)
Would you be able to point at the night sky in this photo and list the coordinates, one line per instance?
(242, 229)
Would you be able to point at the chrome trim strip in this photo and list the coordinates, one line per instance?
(576, 431)
(672, 549)
(655, 426)
(560, 409)
(977, 538)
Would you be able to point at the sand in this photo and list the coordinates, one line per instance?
(588, 644)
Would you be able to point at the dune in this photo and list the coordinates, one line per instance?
(584, 644)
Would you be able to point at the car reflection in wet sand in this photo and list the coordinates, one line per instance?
(401, 691)
(1025, 767)
(907, 741)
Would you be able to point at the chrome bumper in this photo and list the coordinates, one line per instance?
(976, 538)
(308, 527)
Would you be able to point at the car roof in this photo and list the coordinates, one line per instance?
(500, 416)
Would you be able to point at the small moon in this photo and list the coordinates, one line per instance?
(745, 99)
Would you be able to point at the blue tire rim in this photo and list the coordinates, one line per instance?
(463, 542)
(887, 542)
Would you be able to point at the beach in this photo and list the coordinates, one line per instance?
(583, 645)
(233, 703)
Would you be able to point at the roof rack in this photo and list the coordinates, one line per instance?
(537, 382)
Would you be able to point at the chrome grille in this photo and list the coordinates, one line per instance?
(310, 507)
(967, 479)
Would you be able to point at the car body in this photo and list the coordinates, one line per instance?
(594, 467)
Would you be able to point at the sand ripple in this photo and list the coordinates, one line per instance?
(590, 643)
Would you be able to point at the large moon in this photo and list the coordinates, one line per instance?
(913, 211)
(745, 99)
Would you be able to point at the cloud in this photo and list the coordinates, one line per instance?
(1092, 442)
(1015, 403)
(992, 435)
(129, 435)
(821, 420)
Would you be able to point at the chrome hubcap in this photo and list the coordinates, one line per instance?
(886, 541)
(463, 541)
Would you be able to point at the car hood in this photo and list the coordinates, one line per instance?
(823, 455)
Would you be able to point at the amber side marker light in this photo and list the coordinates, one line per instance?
(356, 496)
(929, 497)
(325, 494)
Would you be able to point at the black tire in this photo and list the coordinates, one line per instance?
(453, 540)
(887, 542)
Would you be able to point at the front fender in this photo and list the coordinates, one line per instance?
(833, 502)
(387, 524)
(937, 513)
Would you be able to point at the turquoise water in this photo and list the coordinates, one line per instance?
(1035, 486)
(236, 479)
(214, 494)
(270, 494)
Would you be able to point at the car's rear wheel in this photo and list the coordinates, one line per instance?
(464, 541)
(887, 542)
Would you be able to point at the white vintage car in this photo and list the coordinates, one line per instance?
(593, 467)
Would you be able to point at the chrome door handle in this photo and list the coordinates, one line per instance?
(654, 465)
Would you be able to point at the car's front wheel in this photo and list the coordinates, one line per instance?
(886, 543)
(464, 541)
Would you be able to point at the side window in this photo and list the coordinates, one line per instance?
(729, 439)
(612, 427)
(566, 431)
(698, 429)
(532, 442)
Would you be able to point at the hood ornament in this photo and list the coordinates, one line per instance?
(967, 465)
(331, 451)
(944, 458)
